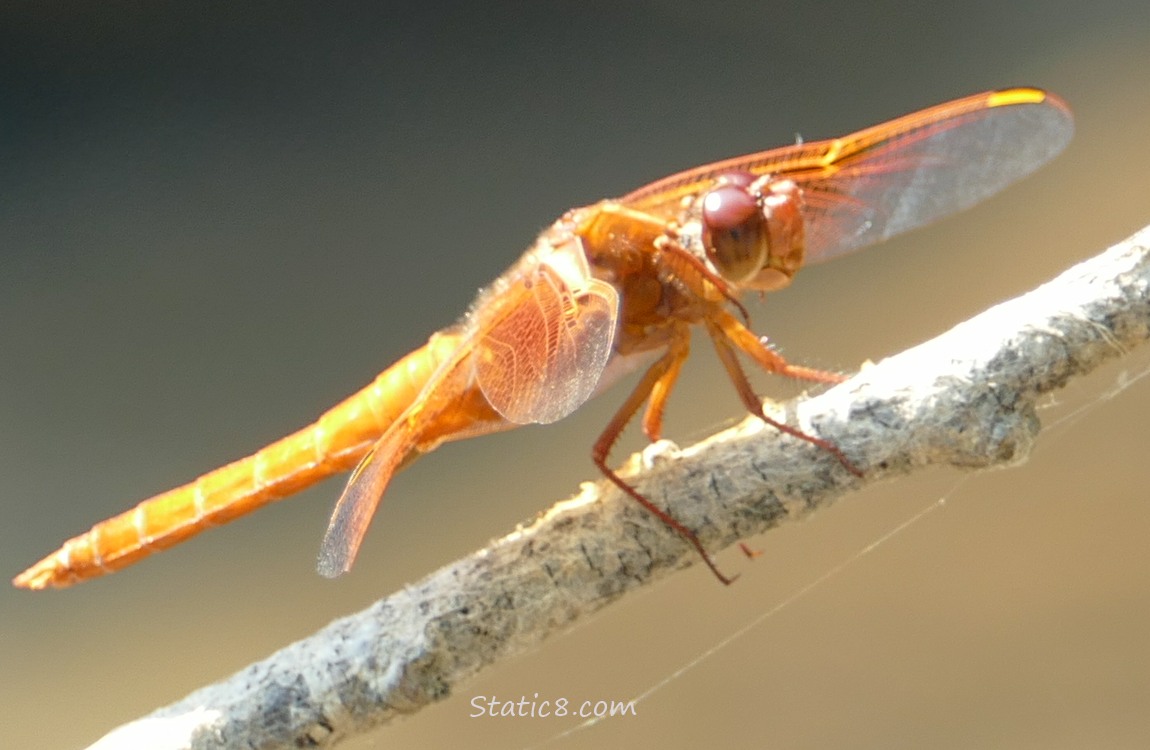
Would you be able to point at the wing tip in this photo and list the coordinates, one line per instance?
(332, 563)
(1026, 95)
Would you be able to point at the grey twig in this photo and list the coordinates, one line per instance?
(967, 398)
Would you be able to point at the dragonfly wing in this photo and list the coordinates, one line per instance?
(890, 178)
(910, 172)
(356, 506)
(544, 338)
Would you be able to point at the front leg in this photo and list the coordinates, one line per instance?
(727, 333)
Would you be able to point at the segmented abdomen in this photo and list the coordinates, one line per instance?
(333, 443)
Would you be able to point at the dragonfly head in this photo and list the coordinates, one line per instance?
(753, 230)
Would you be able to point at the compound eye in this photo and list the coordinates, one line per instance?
(734, 232)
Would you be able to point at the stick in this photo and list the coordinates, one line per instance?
(966, 398)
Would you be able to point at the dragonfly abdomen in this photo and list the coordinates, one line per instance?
(333, 443)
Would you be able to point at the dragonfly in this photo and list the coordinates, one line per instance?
(610, 289)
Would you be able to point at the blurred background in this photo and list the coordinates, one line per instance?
(218, 219)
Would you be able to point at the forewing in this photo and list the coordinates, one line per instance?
(887, 179)
(543, 338)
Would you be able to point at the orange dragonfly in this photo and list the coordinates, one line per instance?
(606, 290)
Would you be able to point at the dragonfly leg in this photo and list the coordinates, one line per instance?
(656, 384)
(730, 329)
(661, 391)
(727, 333)
(694, 273)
